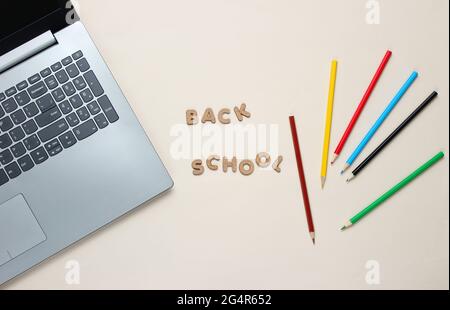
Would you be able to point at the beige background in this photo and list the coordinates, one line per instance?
(228, 231)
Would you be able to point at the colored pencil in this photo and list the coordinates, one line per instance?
(393, 190)
(361, 105)
(301, 174)
(380, 120)
(326, 142)
(392, 136)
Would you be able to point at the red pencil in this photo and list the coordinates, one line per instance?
(301, 174)
(361, 105)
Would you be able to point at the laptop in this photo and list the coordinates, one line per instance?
(73, 156)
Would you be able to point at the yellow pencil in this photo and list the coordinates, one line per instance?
(326, 142)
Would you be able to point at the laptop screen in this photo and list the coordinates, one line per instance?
(23, 13)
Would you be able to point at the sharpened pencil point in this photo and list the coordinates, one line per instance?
(322, 181)
(350, 178)
(345, 168)
(313, 237)
(334, 158)
(343, 228)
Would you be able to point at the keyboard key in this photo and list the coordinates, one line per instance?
(31, 109)
(11, 91)
(17, 134)
(37, 90)
(52, 144)
(83, 65)
(48, 117)
(25, 163)
(31, 142)
(6, 157)
(83, 114)
(79, 83)
(67, 140)
(10, 105)
(65, 107)
(93, 83)
(57, 66)
(76, 101)
(3, 177)
(77, 55)
(86, 95)
(53, 130)
(22, 98)
(69, 89)
(85, 130)
(2, 112)
(107, 107)
(51, 82)
(53, 148)
(58, 94)
(2, 97)
(22, 85)
(72, 119)
(62, 76)
(5, 141)
(94, 108)
(39, 155)
(46, 72)
(101, 121)
(6, 124)
(46, 103)
(67, 61)
(18, 149)
(72, 70)
(34, 79)
(13, 170)
(30, 127)
(18, 117)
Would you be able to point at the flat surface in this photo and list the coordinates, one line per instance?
(229, 231)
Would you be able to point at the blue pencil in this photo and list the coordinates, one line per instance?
(380, 121)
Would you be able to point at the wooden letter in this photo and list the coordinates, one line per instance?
(222, 118)
(240, 112)
(277, 163)
(210, 160)
(209, 116)
(197, 167)
(263, 160)
(246, 167)
(227, 164)
(191, 117)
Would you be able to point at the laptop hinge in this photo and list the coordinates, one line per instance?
(27, 50)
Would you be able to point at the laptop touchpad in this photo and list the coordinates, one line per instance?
(19, 229)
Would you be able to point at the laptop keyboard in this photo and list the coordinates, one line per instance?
(49, 112)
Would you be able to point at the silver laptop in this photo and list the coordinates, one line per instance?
(73, 156)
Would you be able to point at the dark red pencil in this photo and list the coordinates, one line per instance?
(361, 105)
(301, 174)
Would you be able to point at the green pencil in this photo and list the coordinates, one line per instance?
(393, 190)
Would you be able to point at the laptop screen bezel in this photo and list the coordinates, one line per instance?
(54, 21)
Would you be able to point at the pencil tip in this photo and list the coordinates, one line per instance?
(322, 181)
(314, 241)
(345, 168)
(350, 178)
(334, 158)
(343, 228)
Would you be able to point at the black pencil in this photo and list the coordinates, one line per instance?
(392, 135)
